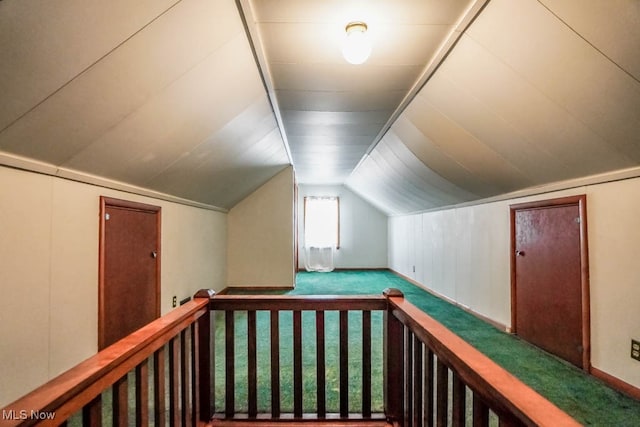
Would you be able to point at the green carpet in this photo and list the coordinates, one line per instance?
(584, 397)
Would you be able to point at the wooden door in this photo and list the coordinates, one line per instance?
(129, 295)
(550, 305)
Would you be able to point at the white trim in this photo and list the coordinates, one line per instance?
(602, 178)
(30, 165)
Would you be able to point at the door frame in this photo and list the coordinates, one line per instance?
(581, 202)
(135, 206)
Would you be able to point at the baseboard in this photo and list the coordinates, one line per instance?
(228, 289)
(353, 269)
(482, 317)
(616, 383)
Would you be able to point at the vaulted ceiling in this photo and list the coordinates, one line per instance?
(206, 100)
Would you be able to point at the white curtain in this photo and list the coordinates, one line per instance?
(319, 259)
(321, 232)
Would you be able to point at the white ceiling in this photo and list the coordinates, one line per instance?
(163, 95)
(208, 99)
(333, 111)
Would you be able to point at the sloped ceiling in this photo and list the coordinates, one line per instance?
(163, 95)
(534, 92)
(206, 100)
(332, 111)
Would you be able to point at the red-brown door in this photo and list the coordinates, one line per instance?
(130, 256)
(549, 278)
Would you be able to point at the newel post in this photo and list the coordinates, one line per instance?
(393, 360)
(202, 384)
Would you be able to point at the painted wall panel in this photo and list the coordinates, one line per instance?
(261, 239)
(613, 212)
(25, 262)
(74, 273)
(395, 250)
(467, 259)
(418, 245)
(463, 237)
(449, 245)
(49, 271)
(363, 229)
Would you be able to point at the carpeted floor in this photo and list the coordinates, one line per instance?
(584, 397)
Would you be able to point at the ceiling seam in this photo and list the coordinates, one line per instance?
(566, 24)
(570, 184)
(535, 86)
(87, 68)
(489, 148)
(499, 116)
(446, 48)
(268, 86)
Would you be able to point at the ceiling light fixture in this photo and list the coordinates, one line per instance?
(356, 47)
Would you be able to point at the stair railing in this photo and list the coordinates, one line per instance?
(431, 371)
(431, 376)
(169, 356)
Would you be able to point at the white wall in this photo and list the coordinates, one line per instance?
(49, 271)
(261, 240)
(464, 254)
(363, 228)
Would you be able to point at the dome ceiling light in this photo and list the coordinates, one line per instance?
(356, 47)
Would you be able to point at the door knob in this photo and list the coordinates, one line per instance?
(519, 253)
(154, 254)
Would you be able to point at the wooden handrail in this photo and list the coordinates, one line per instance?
(78, 387)
(273, 305)
(304, 302)
(419, 355)
(494, 386)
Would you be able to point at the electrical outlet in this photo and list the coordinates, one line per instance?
(175, 301)
(635, 350)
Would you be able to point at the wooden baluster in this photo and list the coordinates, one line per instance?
(159, 387)
(393, 362)
(188, 352)
(344, 363)
(203, 352)
(509, 421)
(184, 378)
(297, 364)
(275, 364)
(92, 413)
(408, 377)
(174, 383)
(442, 395)
(142, 393)
(321, 366)
(480, 412)
(459, 397)
(123, 371)
(252, 370)
(366, 364)
(120, 402)
(418, 396)
(213, 333)
(195, 380)
(229, 350)
(428, 387)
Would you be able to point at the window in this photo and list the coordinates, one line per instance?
(321, 222)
